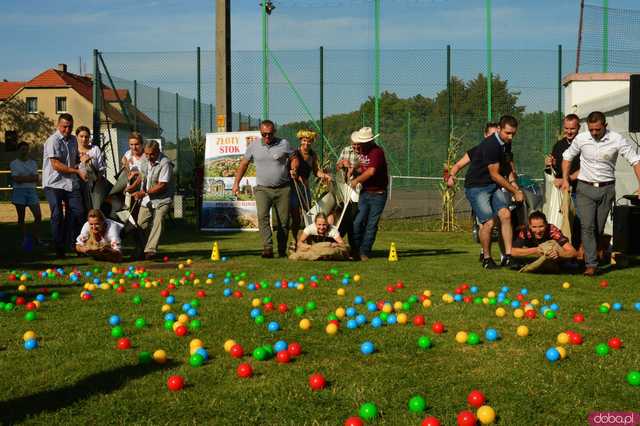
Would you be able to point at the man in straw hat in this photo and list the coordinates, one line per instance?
(373, 180)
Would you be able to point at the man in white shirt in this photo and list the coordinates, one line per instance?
(598, 149)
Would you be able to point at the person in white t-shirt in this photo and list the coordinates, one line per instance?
(100, 238)
(24, 175)
(91, 161)
(320, 231)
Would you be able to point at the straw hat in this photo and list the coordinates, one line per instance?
(363, 135)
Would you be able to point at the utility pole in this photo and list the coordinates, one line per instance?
(223, 65)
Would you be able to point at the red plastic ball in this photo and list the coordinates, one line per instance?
(86, 296)
(171, 286)
(20, 300)
(317, 381)
(165, 259)
(175, 383)
(244, 371)
(201, 294)
(164, 293)
(437, 327)
(328, 277)
(390, 289)
(380, 304)
(467, 299)
(30, 306)
(236, 351)
(430, 421)
(124, 343)
(314, 284)
(465, 286)
(531, 314)
(399, 285)
(459, 290)
(135, 285)
(283, 357)
(354, 421)
(418, 320)
(181, 331)
(615, 343)
(121, 289)
(604, 284)
(575, 339)
(578, 318)
(237, 294)
(294, 349)
(268, 307)
(466, 418)
(283, 308)
(335, 322)
(476, 398)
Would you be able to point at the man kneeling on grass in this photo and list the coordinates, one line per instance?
(545, 241)
(320, 241)
(100, 238)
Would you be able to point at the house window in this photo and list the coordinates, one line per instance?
(61, 104)
(32, 105)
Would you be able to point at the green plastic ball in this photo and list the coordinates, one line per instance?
(384, 316)
(368, 411)
(195, 325)
(603, 309)
(137, 300)
(195, 303)
(266, 299)
(228, 274)
(424, 342)
(1, 306)
(8, 307)
(332, 317)
(259, 354)
(269, 350)
(477, 301)
(506, 301)
(406, 306)
(55, 295)
(299, 311)
(30, 316)
(196, 360)
(417, 404)
(473, 339)
(634, 378)
(493, 301)
(549, 314)
(117, 332)
(140, 323)
(602, 349)
(413, 299)
(259, 319)
(168, 325)
(144, 357)
(311, 305)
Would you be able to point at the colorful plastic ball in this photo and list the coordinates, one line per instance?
(602, 349)
(196, 360)
(552, 354)
(145, 357)
(501, 312)
(615, 343)
(563, 338)
(195, 325)
(417, 404)
(114, 320)
(418, 320)
(522, 331)
(368, 411)
(283, 357)
(140, 323)
(30, 344)
(55, 295)
(117, 332)
(473, 339)
(578, 318)
(203, 353)
(633, 378)
(430, 421)
(294, 349)
(160, 356)
(562, 351)
(317, 382)
(636, 305)
(466, 418)
(175, 383)
(617, 306)
(461, 337)
(424, 342)
(491, 334)
(124, 343)
(236, 351)
(575, 339)
(438, 327)
(367, 348)
(476, 398)
(305, 324)
(29, 335)
(566, 285)
(486, 415)
(181, 331)
(260, 354)
(603, 309)
(244, 371)
(331, 329)
(30, 316)
(354, 421)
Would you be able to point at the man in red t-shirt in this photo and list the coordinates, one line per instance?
(373, 179)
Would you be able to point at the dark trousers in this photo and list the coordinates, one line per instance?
(365, 226)
(346, 226)
(67, 216)
(593, 206)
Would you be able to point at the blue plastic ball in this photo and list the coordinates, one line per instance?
(114, 320)
(273, 326)
(515, 304)
(504, 289)
(203, 353)
(251, 287)
(358, 300)
(88, 274)
(193, 312)
(361, 319)
(227, 281)
(352, 324)
(392, 319)
(224, 258)
(491, 334)
(227, 292)
(367, 348)
(371, 307)
(211, 275)
(500, 297)
(473, 290)
(376, 322)
(351, 312)
(345, 281)
(170, 300)
(96, 281)
(314, 278)
(552, 354)
(277, 284)
(617, 306)
(30, 344)
(547, 298)
(186, 307)
(170, 316)
(554, 307)
(637, 306)
(40, 298)
(255, 312)
(457, 298)
(524, 291)
(280, 345)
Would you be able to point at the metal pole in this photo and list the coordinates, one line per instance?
(579, 37)
(605, 36)
(265, 62)
(449, 94)
(546, 134)
(158, 108)
(321, 106)
(211, 117)
(178, 139)
(560, 114)
(199, 95)
(408, 143)
(135, 105)
(193, 123)
(239, 120)
(487, 18)
(376, 73)
(96, 99)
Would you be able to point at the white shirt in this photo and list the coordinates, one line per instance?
(312, 230)
(598, 158)
(111, 236)
(97, 160)
(23, 169)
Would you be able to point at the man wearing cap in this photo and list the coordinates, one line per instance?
(596, 190)
(373, 180)
(271, 156)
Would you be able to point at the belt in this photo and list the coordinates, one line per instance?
(598, 184)
(284, 185)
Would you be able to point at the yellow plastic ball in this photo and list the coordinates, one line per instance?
(121, 281)
(105, 286)
(461, 337)
(485, 300)
(491, 294)
(181, 266)
(209, 281)
(535, 302)
(196, 343)
(148, 285)
(305, 324)
(486, 415)
(183, 318)
(562, 351)
(256, 302)
(114, 270)
(196, 281)
(189, 261)
(300, 287)
(341, 292)
(566, 285)
(340, 313)
(176, 325)
(331, 329)
(387, 308)
(402, 318)
(528, 307)
(501, 312)
(356, 278)
(397, 306)
(427, 293)
(165, 308)
(23, 278)
(563, 338)
(160, 356)
(426, 303)
(518, 313)
(29, 335)
(522, 331)
(607, 305)
(242, 283)
(86, 286)
(228, 345)
(36, 303)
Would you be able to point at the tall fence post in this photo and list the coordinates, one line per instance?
(489, 59)
(265, 62)
(321, 106)
(199, 94)
(158, 109)
(408, 143)
(546, 133)
(605, 35)
(193, 122)
(376, 72)
(135, 105)
(178, 168)
(96, 99)
(449, 95)
(560, 114)
(211, 117)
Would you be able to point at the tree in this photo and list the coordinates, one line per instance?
(30, 127)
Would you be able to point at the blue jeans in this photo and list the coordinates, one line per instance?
(66, 222)
(365, 225)
(486, 201)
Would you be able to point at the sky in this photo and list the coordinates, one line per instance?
(38, 34)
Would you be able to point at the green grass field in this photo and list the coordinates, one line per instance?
(77, 376)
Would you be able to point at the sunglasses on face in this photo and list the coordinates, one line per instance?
(267, 135)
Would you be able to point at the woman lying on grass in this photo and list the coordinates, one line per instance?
(320, 240)
(100, 238)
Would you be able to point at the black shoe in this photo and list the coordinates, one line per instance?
(507, 260)
(481, 258)
(488, 263)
